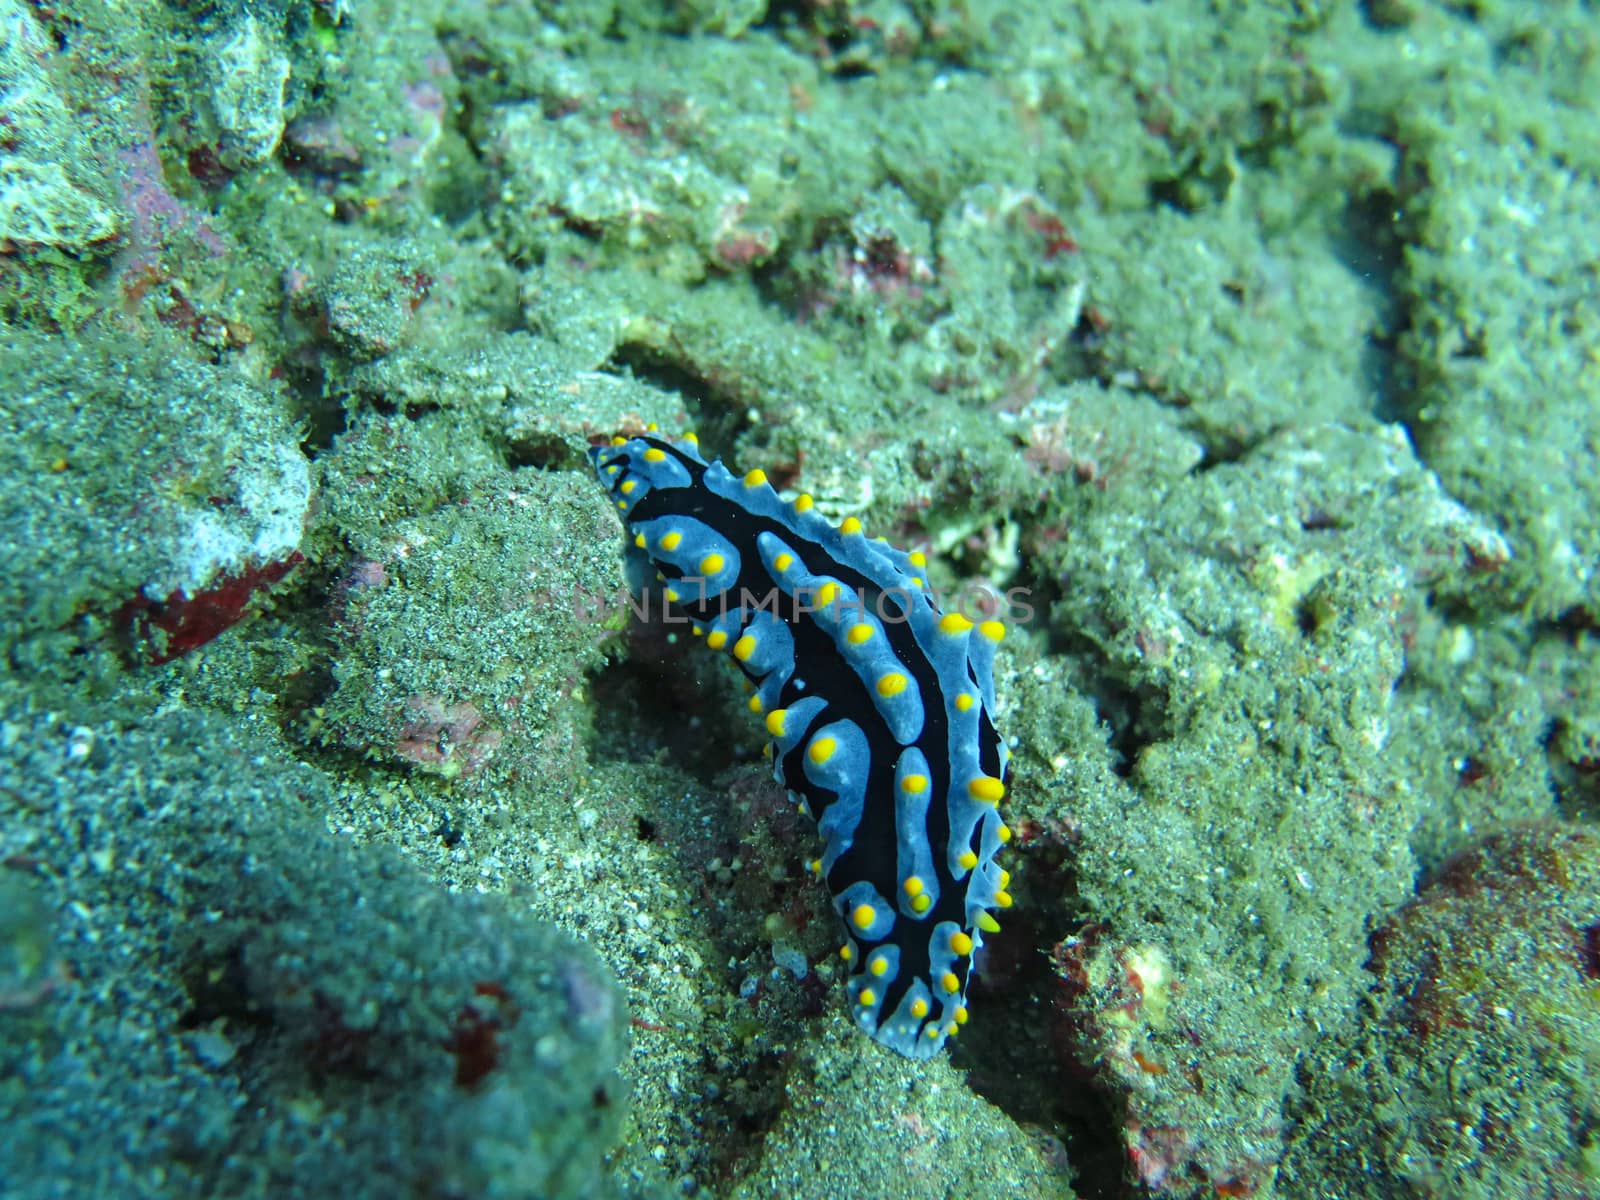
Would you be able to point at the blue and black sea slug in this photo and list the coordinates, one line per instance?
(880, 709)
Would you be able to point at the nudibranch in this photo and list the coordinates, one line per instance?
(879, 708)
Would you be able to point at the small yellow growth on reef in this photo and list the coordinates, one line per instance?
(1283, 585)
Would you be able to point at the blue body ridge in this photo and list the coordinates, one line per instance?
(880, 709)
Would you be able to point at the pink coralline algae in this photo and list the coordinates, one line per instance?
(446, 739)
(157, 213)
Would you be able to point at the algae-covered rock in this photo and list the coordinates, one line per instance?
(1505, 327)
(674, 159)
(52, 189)
(1246, 825)
(875, 1127)
(248, 72)
(462, 634)
(245, 1007)
(139, 483)
(1473, 1074)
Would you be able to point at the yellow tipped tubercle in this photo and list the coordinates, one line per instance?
(987, 789)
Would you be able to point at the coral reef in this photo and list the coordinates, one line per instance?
(1252, 346)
